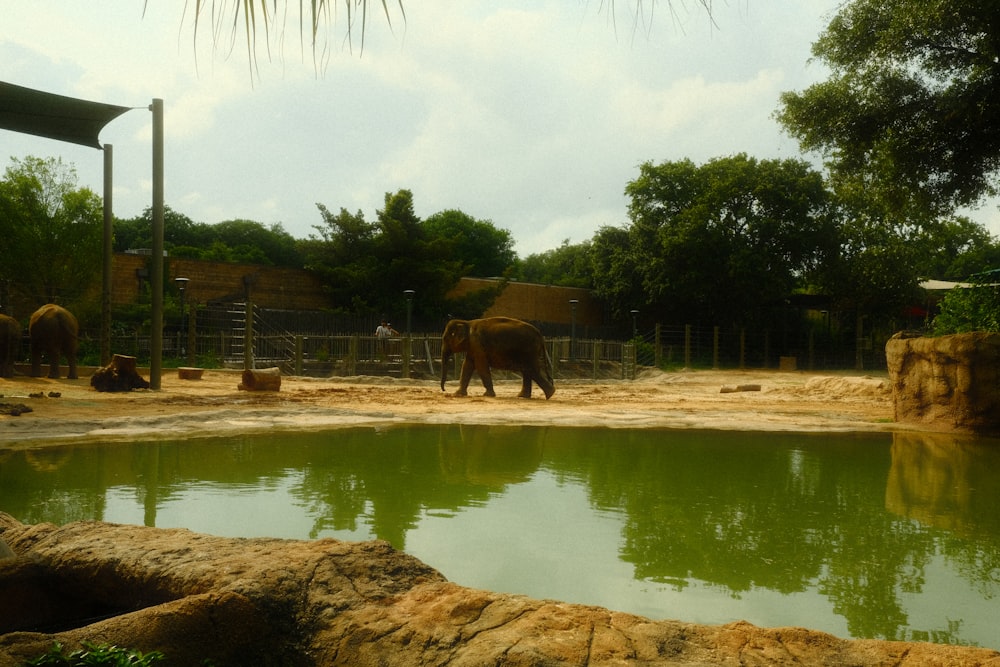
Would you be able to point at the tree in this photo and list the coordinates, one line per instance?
(569, 265)
(910, 109)
(722, 242)
(485, 250)
(51, 231)
(228, 241)
(367, 266)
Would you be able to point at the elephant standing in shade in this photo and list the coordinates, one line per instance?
(53, 331)
(497, 342)
(10, 344)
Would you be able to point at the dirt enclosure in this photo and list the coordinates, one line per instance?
(744, 400)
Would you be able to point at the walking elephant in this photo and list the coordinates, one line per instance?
(10, 344)
(53, 331)
(497, 342)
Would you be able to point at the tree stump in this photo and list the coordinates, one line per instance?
(261, 379)
(119, 375)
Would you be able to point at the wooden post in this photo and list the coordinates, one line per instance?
(192, 334)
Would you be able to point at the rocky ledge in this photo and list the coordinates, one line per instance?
(326, 602)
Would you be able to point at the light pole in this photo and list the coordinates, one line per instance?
(635, 328)
(409, 309)
(572, 326)
(182, 284)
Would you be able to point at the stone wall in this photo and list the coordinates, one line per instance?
(948, 383)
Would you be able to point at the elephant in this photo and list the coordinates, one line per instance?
(497, 342)
(10, 344)
(53, 330)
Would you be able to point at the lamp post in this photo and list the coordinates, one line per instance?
(572, 326)
(182, 284)
(635, 328)
(409, 309)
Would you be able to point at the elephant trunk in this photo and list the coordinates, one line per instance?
(445, 360)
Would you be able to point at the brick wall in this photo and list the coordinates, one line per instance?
(538, 303)
(295, 289)
(272, 287)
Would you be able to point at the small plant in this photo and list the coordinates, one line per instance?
(96, 655)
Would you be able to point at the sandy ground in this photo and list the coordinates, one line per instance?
(784, 401)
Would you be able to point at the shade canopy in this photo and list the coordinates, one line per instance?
(54, 116)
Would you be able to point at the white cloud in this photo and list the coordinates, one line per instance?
(534, 115)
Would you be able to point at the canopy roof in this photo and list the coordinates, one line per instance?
(54, 116)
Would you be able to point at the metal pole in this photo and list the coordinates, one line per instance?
(107, 252)
(156, 265)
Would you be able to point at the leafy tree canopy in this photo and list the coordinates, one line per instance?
(720, 242)
(228, 241)
(52, 231)
(569, 265)
(486, 250)
(368, 266)
(910, 108)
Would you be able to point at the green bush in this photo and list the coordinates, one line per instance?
(967, 309)
(96, 655)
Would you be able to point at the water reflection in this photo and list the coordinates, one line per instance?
(868, 535)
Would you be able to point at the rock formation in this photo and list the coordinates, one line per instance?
(949, 383)
(264, 601)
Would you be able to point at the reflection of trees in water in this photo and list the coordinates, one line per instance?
(842, 514)
(392, 476)
(786, 513)
(53, 484)
(952, 482)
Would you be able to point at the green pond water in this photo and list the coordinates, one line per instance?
(892, 536)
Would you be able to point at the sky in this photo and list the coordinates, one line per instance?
(533, 115)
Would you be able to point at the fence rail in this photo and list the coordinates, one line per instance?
(418, 356)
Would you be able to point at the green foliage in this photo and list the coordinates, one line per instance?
(366, 266)
(486, 251)
(968, 309)
(909, 109)
(244, 241)
(51, 231)
(721, 242)
(94, 655)
(569, 265)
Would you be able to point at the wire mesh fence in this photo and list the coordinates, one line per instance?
(323, 345)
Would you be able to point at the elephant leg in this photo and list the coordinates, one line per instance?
(72, 367)
(463, 383)
(525, 385)
(54, 364)
(544, 381)
(487, 377)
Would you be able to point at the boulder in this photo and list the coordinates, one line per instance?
(948, 383)
(264, 601)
